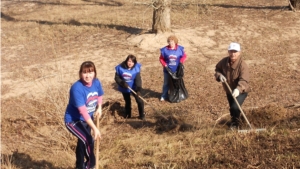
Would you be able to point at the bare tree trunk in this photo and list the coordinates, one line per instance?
(294, 4)
(161, 16)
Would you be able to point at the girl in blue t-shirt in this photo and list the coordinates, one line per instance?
(170, 57)
(128, 75)
(85, 95)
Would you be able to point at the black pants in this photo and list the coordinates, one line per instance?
(139, 102)
(85, 144)
(233, 107)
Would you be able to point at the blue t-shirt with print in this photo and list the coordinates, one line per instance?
(83, 95)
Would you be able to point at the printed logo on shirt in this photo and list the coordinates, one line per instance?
(172, 59)
(127, 76)
(91, 102)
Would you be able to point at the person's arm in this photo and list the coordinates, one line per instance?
(83, 111)
(219, 69)
(138, 82)
(183, 58)
(243, 85)
(98, 111)
(118, 79)
(162, 60)
(100, 99)
(97, 134)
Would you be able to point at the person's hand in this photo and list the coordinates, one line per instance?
(222, 78)
(138, 93)
(173, 75)
(168, 69)
(124, 84)
(181, 64)
(97, 134)
(98, 112)
(235, 93)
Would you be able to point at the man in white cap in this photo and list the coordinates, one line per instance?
(233, 70)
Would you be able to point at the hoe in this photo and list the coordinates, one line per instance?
(243, 114)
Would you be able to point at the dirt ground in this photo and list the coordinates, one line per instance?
(43, 44)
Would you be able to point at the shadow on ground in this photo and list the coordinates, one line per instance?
(74, 22)
(24, 161)
(91, 2)
(252, 7)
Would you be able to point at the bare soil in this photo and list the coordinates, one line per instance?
(44, 42)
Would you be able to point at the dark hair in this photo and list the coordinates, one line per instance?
(87, 66)
(132, 57)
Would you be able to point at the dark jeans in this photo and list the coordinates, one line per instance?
(85, 144)
(233, 107)
(139, 102)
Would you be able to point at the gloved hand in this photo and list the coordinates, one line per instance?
(235, 93)
(222, 78)
(138, 93)
(124, 84)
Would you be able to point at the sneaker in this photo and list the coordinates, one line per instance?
(234, 126)
(162, 99)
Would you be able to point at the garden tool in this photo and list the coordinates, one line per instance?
(97, 141)
(243, 114)
(148, 103)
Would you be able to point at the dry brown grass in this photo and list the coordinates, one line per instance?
(43, 43)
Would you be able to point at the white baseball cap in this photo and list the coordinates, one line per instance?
(234, 46)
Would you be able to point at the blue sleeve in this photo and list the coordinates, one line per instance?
(100, 89)
(76, 96)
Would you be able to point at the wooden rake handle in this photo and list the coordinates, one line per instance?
(147, 103)
(137, 95)
(98, 141)
(238, 105)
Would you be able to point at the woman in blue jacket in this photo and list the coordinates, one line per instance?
(128, 75)
(85, 95)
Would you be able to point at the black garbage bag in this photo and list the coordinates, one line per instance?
(177, 90)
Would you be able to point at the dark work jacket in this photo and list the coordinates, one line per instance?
(237, 74)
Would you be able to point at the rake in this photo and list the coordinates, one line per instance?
(148, 104)
(243, 114)
(98, 141)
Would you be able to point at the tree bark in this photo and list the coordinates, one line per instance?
(294, 4)
(161, 16)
